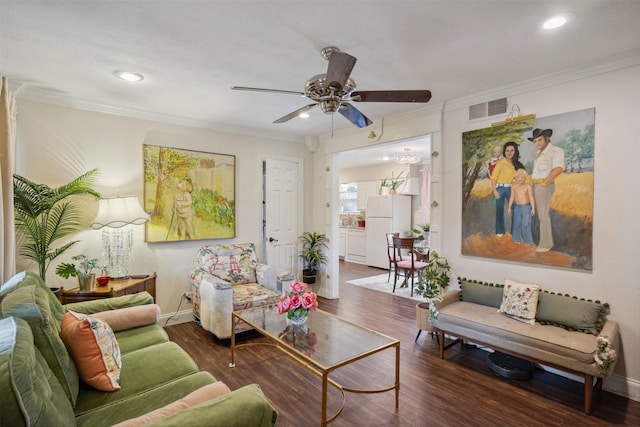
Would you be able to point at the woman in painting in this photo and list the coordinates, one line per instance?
(501, 180)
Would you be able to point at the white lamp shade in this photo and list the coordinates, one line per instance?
(117, 212)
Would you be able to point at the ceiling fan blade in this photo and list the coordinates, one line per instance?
(258, 89)
(392, 96)
(295, 113)
(354, 115)
(339, 69)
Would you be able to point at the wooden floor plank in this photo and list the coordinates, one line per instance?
(460, 390)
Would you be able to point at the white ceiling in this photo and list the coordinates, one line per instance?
(191, 53)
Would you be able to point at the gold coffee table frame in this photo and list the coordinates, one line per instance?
(338, 343)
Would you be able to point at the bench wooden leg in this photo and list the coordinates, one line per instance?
(441, 343)
(588, 393)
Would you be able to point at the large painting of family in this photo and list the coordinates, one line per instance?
(189, 195)
(527, 192)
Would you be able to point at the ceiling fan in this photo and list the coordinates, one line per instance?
(334, 91)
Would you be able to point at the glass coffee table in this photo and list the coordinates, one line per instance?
(324, 344)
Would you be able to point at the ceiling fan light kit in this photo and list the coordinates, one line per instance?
(334, 91)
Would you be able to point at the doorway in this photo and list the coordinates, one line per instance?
(282, 193)
(372, 164)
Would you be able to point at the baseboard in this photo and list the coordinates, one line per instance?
(623, 387)
(176, 317)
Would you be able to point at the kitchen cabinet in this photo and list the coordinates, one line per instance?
(342, 242)
(356, 245)
(409, 187)
(366, 189)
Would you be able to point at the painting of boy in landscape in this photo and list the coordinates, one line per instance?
(189, 195)
(555, 157)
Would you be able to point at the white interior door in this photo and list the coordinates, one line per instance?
(282, 214)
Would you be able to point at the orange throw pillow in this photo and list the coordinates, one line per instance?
(94, 349)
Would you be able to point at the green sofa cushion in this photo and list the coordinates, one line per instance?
(142, 403)
(30, 393)
(141, 337)
(105, 304)
(142, 369)
(489, 294)
(571, 313)
(243, 407)
(28, 278)
(32, 304)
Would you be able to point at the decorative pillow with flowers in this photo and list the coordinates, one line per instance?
(520, 301)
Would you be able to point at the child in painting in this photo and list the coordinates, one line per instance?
(183, 210)
(497, 155)
(524, 207)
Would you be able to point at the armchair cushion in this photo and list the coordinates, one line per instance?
(235, 264)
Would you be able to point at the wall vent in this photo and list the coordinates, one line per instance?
(485, 109)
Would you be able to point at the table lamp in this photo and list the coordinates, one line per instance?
(115, 217)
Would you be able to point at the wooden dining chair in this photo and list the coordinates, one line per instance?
(392, 260)
(408, 263)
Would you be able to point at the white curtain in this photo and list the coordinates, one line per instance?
(426, 194)
(7, 169)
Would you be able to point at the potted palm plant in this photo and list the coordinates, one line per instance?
(433, 281)
(312, 253)
(84, 271)
(44, 216)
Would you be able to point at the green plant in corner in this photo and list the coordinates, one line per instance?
(434, 280)
(312, 253)
(44, 216)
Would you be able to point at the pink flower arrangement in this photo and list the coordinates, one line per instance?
(298, 301)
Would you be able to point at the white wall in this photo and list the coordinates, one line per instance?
(616, 228)
(614, 91)
(57, 144)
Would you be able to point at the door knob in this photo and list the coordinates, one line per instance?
(271, 240)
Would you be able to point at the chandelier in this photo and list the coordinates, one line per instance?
(407, 157)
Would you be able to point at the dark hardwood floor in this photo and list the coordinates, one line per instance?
(460, 390)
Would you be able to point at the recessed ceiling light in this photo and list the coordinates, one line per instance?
(557, 21)
(129, 76)
(303, 115)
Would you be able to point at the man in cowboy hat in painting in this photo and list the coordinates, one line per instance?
(549, 163)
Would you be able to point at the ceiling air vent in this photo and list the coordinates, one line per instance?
(485, 109)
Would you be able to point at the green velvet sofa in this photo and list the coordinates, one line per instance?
(40, 385)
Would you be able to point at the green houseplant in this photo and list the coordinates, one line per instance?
(44, 216)
(84, 270)
(312, 253)
(433, 281)
(395, 181)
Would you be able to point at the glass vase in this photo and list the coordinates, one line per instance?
(299, 319)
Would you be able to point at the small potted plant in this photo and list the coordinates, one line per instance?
(312, 253)
(385, 187)
(422, 230)
(433, 281)
(84, 271)
(395, 182)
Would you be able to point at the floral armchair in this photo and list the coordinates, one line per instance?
(227, 278)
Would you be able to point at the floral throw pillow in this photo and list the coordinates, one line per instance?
(94, 349)
(520, 301)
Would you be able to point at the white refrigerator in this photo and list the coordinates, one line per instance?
(385, 214)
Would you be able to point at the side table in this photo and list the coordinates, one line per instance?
(115, 288)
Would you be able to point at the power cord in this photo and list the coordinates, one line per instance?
(186, 296)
